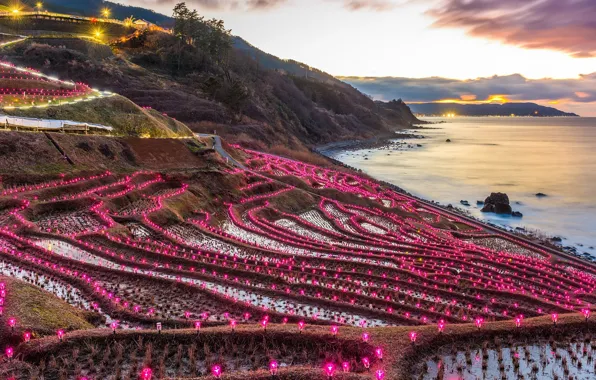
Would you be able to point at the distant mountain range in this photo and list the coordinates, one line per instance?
(506, 109)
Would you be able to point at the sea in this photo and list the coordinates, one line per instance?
(520, 156)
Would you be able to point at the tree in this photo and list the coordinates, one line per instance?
(236, 96)
(209, 36)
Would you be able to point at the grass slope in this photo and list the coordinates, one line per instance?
(126, 117)
(37, 310)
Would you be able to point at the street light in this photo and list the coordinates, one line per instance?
(39, 6)
(106, 12)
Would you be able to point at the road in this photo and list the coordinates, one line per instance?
(219, 149)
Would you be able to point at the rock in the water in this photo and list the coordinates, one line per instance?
(541, 195)
(479, 203)
(517, 214)
(501, 208)
(556, 239)
(497, 203)
(465, 203)
(488, 208)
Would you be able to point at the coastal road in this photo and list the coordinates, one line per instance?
(219, 148)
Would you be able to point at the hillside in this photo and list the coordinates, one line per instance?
(127, 118)
(38, 309)
(318, 268)
(244, 101)
(506, 109)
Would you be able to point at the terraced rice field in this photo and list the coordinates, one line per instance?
(360, 255)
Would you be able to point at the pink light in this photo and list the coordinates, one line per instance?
(9, 352)
(380, 374)
(413, 336)
(60, 334)
(366, 362)
(345, 366)
(301, 325)
(479, 322)
(365, 337)
(379, 353)
(586, 313)
(27, 336)
(198, 325)
(233, 324)
(330, 369)
(273, 367)
(441, 326)
(334, 330)
(216, 371)
(146, 374)
(555, 318)
(12, 322)
(518, 321)
(264, 324)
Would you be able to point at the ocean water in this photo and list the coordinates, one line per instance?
(518, 156)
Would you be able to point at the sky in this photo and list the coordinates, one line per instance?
(429, 50)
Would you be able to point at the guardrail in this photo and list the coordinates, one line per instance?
(62, 15)
(49, 125)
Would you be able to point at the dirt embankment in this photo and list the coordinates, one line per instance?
(33, 153)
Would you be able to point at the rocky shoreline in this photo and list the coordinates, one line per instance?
(395, 142)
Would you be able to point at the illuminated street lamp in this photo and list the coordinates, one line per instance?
(106, 12)
(39, 6)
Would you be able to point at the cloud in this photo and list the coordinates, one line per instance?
(514, 88)
(219, 4)
(564, 25)
(374, 5)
